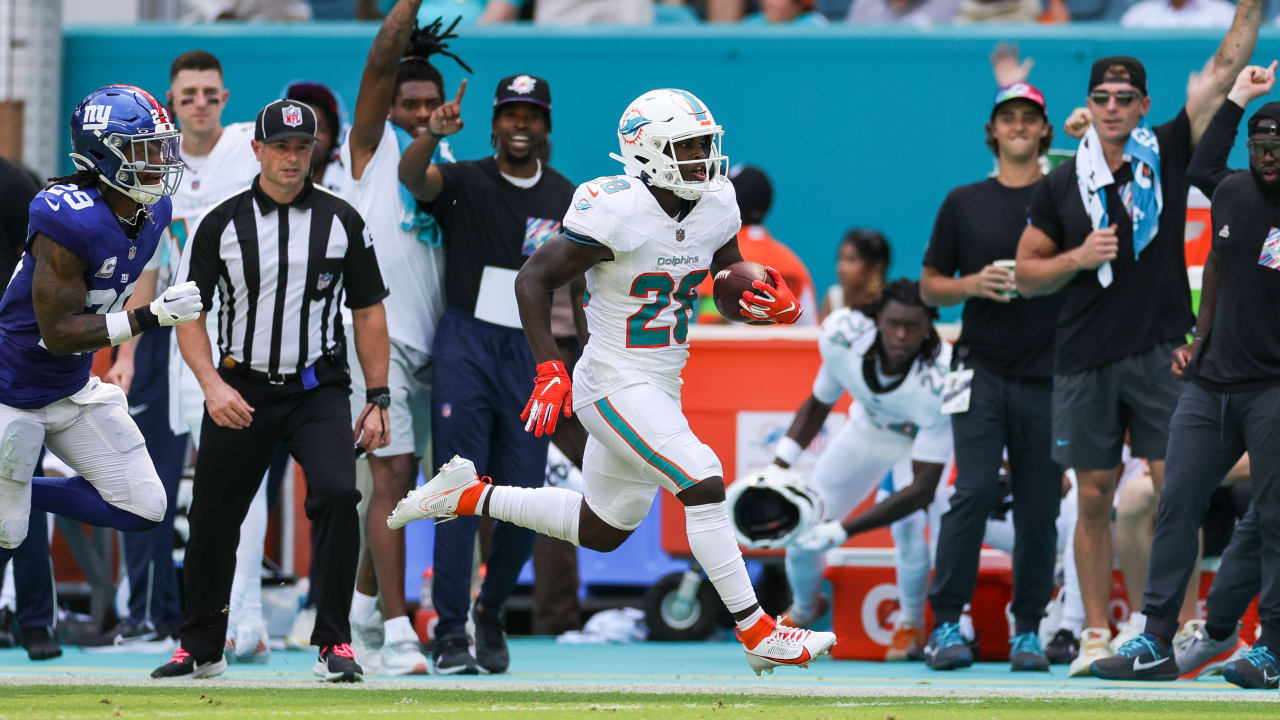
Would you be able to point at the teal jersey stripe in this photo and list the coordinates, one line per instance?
(651, 456)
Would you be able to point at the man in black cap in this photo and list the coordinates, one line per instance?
(282, 255)
(1231, 404)
(1004, 368)
(1107, 226)
(494, 213)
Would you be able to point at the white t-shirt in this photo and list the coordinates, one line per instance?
(912, 407)
(229, 168)
(1195, 14)
(640, 303)
(412, 270)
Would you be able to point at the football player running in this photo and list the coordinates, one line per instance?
(90, 236)
(893, 364)
(644, 240)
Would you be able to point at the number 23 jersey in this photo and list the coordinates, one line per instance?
(638, 305)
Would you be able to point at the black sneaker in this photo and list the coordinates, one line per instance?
(1257, 669)
(6, 628)
(337, 663)
(40, 643)
(128, 635)
(1063, 648)
(184, 667)
(947, 648)
(1025, 653)
(452, 656)
(1142, 658)
(491, 642)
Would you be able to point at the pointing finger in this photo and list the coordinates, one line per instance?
(462, 88)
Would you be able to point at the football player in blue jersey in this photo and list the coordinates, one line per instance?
(90, 236)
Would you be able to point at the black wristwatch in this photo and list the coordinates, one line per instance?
(380, 397)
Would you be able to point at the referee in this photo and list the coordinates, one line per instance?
(283, 254)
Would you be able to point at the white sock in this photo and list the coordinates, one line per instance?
(911, 561)
(362, 606)
(547, 510)
(398, 630)
(751, 619)
(715, 547)
(1139, 618)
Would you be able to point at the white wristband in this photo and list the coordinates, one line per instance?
(118, 328)
(788, 450)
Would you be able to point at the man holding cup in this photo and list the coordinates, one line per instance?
(999, 391)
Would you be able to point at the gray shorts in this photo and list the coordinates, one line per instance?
(1093, 409)
(409, 378)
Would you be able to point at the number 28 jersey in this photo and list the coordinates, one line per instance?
(638, 305)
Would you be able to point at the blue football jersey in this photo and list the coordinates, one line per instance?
(80, 221)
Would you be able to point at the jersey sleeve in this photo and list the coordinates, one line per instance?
(826, 388)
(360, 271)
(595, 210)
(54, 218)
(933, 442)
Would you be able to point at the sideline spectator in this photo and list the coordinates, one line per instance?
(789, 12)
(273, 10)
(1169, 14)
(909, 12)
(862, 260)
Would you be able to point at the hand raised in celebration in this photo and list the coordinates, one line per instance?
(1252, 83)
(447, 119)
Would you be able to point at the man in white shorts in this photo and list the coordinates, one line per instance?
(893, 364)
(645, 240)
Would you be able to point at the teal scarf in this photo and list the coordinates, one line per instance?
(415, 218)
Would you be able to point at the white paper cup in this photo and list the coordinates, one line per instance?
(1007, 265)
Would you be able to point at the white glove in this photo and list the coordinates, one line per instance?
(822, 537)
(178, 304)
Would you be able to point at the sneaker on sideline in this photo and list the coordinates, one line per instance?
(1063, 648)
(907, 643)
(337, 663)
(1095, 645)
(1257, 669)
(1142, 658)
(184, 667)
(452, 656)
(947, 648)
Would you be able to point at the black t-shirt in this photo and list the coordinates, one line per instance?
(1242, 349)
(977, 225)
(16, 192)
(487, 221)
(1149, 299)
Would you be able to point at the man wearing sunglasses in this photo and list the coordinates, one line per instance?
(1231, 405)
(1107, 228)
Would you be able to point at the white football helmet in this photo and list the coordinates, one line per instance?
(648, 131)
(772, 506)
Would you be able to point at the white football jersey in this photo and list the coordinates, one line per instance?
(639, 304)
(911, 407)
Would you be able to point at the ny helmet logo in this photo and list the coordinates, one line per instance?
(96, 117)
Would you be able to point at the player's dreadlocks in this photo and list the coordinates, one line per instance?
(81, 178)
(415, 61)
(907, 292)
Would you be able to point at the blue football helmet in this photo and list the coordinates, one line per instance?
(124, 135)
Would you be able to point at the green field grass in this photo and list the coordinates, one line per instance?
(28, 702)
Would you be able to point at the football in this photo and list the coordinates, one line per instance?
(734, 280)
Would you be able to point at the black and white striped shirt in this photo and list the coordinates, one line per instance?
(281, 272)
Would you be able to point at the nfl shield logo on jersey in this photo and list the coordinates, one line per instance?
(133, 252)
(324, 281)
(679, 234)
(292, 115)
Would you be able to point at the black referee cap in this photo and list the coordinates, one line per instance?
(282, 119)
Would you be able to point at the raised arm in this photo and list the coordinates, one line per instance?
(1206, 91)
(1209, 162)
(378, 83)
(417, 173)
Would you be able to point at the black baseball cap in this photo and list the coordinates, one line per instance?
(282, 119)
(1270, 111)
(1119, 68)
(523, 88)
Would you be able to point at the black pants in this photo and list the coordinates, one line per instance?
(1013, 413)
(482, 376)
(34, 589)
(153, 581)
(1239, 575)
(316, 427)
(1208, 433)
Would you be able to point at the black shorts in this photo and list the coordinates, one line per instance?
(1093, 409)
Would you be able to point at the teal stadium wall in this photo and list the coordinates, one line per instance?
(856, 126)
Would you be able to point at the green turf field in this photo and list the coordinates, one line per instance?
(209, 701)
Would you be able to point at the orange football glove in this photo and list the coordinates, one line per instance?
(771, 303)
(552, 393)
